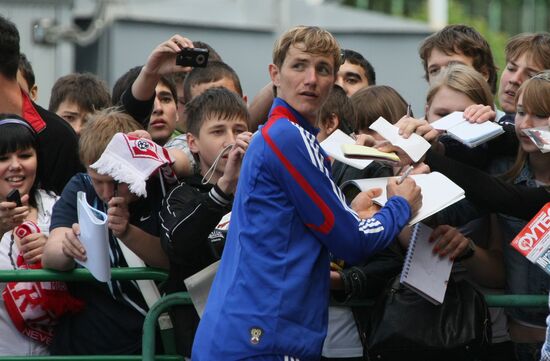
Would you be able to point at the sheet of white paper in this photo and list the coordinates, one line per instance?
(438, 192)
(448, 121)
(199, 284)
(94, 236)
(333, 146)
(415, 146)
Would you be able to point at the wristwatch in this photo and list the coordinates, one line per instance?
(468, 252)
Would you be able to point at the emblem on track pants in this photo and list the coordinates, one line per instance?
(255, 334)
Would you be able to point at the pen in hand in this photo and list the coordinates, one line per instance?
(409, 111)
(405, 174)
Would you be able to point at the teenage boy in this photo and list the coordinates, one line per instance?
(336, 113)
(526, 55)
(179, 78)
(25, 77)
(216, 74)
(111, 323)
(355, 73)
(198, 80)
(76, 96)
(165, 111)
(461, 44)
(218, 118)
(269, 299)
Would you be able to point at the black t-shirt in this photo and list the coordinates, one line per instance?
(57, 151)
(112, 320)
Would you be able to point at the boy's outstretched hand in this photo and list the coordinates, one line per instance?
(228, 181)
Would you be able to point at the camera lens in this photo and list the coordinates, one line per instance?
(200, 59)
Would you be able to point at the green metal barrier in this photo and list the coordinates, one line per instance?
(149, 325)
(122, 274)
(496, 300)
(517, 301)
(182, 298)
(90, 358)
(81, 274)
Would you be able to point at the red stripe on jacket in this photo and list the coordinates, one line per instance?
(281, 113)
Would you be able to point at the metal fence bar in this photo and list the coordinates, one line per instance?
(91, 358)
(81, 274)
(149, 325)
(538, 301)
(182, 298)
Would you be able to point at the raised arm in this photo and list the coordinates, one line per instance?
(490, 192)
(303, 172)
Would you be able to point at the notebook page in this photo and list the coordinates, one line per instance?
(333, 146)
(438, 192)
(415, 146)
(449, 121)
(425, 272)
(473, 132)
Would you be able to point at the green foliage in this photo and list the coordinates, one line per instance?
(460, 12)
(497, 40)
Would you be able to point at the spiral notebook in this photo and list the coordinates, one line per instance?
(424, 272)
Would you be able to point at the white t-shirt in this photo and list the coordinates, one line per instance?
(12, 342)
(342, 339)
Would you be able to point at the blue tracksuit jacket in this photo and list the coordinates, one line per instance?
(270, 295)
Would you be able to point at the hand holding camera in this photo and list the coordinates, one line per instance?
(193, 57)
(161, 61)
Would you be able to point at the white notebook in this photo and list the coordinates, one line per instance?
(438, 192)
(470, 134)
(94, 236)
(333, 146)
(423, 271)
(415, 146)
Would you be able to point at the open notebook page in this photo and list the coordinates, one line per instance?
(438, 192)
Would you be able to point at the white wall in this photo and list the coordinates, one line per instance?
(394, 56)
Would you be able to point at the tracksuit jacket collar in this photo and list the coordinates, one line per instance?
(281, 109)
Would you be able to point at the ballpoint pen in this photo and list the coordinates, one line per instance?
(405, 174)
